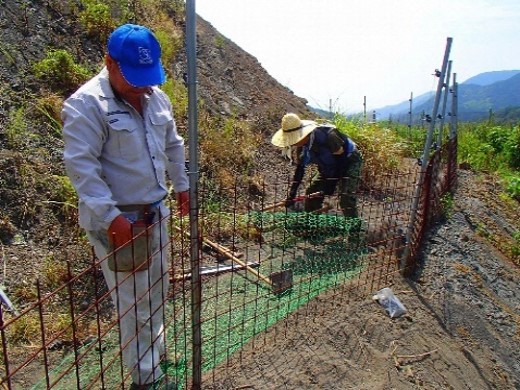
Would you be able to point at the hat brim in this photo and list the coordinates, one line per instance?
(143, 76)
(283, 139)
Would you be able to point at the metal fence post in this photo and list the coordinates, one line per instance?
(425, 157)
(410, 120)
(452, 163)
(445, 100)
(454, 108)
(196, 288)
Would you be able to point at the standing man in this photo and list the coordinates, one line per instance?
(335, 154)
(120, 140)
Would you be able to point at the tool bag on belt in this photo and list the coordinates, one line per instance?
(137, 253)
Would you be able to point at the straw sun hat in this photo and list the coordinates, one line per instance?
(293, 130)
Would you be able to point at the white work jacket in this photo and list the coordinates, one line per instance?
(115, 156)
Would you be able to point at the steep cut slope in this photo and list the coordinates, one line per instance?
(231, 82)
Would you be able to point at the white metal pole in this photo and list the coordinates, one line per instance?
(365, 109)
(443, 115)
(410, 116)
(454, 108)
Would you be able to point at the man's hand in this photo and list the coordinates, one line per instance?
(119, 231)
(183, 203)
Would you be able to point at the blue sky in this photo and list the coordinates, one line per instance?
(338, 51)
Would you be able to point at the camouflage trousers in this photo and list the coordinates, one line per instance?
(346, 186)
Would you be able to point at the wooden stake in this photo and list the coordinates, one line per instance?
(226, 252)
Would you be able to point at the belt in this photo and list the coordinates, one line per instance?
(139, 207)
(140, 212)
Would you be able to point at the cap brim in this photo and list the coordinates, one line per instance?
(283, 139)
(143, 76)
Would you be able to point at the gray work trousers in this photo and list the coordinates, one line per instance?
(139, 298)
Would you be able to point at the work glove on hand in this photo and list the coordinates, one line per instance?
(120, 231)
(183, 203)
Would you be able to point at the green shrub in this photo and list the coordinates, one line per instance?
(171, 41)
(219, 41)
(382, 149)
(178, 95)
(513, 188)
(17, 129)
(512, 148)
(515, 248)
(48, 111)
(60, 70)
(97, 19)
(488, 147)
(447, 204)
(227, 148)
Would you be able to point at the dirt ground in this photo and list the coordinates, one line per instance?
(461, 329)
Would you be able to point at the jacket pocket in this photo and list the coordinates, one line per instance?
(160, 122)
(124, 140)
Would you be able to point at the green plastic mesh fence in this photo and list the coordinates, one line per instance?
(314, 228)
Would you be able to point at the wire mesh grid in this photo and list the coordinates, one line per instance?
(256, 266)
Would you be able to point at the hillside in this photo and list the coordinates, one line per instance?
(231, 83)
(462, 330)
(488, 78)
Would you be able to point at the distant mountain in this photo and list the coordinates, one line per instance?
(489, 78)
(401, 110)
(497, 92)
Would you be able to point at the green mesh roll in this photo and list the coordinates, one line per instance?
(333, 258)
(314, 228)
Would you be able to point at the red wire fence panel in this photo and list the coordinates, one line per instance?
(258, 263)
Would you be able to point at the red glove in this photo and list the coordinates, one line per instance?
(183, 203)
(120, 231)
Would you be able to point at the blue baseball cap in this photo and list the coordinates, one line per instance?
(138, 54)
